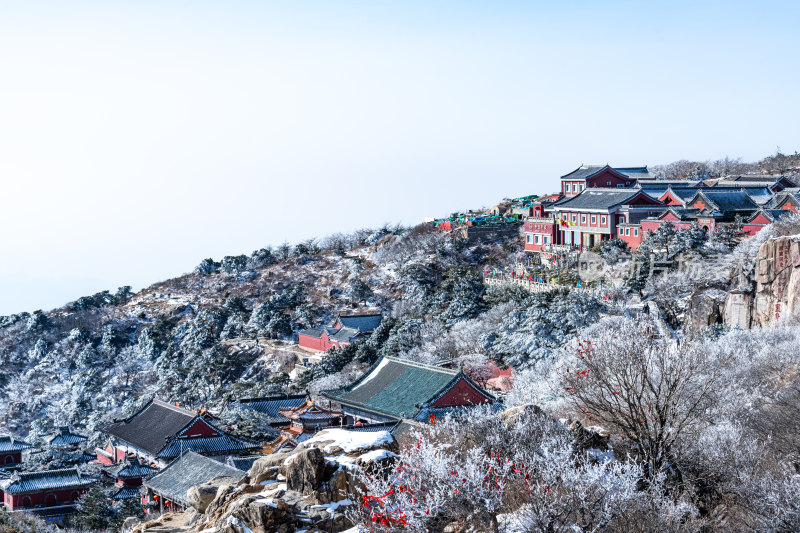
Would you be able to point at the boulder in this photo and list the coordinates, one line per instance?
(267, 462)
(259, 517)
(200, 496)
(305, 471)
(705, 308)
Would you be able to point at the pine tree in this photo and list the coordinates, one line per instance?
(94, 510)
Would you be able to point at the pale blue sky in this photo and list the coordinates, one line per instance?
(137, 138)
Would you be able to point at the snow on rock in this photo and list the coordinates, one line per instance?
(331, 507)
(349, 441)
(376, 455)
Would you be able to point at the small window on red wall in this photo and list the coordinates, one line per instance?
(603, 220)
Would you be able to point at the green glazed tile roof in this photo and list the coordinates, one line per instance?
(396, 387)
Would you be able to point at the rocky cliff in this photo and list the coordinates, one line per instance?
(305, 489)
(773, 291)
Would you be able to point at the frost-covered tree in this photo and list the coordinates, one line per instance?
(234, 264)
(207, 267)
(357, 291)
(632, 377)
(261, 258)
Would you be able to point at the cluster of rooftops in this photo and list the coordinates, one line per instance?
(163, 449)
(600, 202)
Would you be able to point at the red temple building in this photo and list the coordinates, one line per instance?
(47, 493)
(345, 330)
(304, 421)
(594, 215)
(604, 176)
(160, 432)
(11, 451)
(128, 475)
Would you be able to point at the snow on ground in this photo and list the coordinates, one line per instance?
(350, 441)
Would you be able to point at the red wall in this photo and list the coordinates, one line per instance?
(62, 497)
(10, 458)
(541, 229)
(310, 342)
(462, 393)
(632, 240)
(602, 179)
(199, 429)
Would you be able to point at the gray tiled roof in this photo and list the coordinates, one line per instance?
(10, 444)
(127, 493)
(46, 480)
(187, 471)
(599, 198)
(271, 406)
(583, 172)
(397, 388)
(312, 332)
(242, 463)
(729, 201)
(637, 173)
(66, 436)
(218, 445)
(681, 213)
(764, 178)
(371, 428)
(659, 184)
(772, 214)
(156, 427)
(344, 335)
(151, 428)
(364, 323)
(131, 467)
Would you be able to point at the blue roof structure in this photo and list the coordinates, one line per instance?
(271, 406)
(10, 444)
(46, 480)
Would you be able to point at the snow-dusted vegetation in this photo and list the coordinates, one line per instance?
(637, 410)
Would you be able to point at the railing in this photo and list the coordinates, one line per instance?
(560, 248)
(536, 286)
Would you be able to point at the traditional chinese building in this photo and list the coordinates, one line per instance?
(168, 488)
(345, 330)
(129, 474)
(65, 438)
(48, 493)
(601, 176)
(160, 432)
(271, 407)
(593, 215)
(11, 451)
(395, 388)
(304, 421)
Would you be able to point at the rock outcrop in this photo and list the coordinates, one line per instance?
(773, 292)
(777, 280)
(305, 489)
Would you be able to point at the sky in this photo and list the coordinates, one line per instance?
(139, 137)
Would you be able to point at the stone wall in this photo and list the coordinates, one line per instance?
(489, 232)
